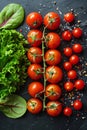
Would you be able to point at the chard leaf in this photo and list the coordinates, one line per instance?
(15, 106)
(11, 16)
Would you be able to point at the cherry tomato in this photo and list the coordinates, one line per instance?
(34, 54)
(68, 86)
(69, 17)
(77, 104)
(34, 105)
(54, 74)
(52, 20)
(54, 108)
(67, 66)
(68, 51)
(72, 74)
(34, 19)
(79, 84)
(34, 37)
(35, 71)
(53, 92)
(67, 111)
(35, 88)
(67, 35)
(74, 59)
(53, 57)
(52, 40)
(77, 48)
(77, 32)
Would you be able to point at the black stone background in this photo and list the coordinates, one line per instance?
(43, 121)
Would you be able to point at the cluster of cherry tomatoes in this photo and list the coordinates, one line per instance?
(45, 58)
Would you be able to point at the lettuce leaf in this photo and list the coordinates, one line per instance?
(13, 62)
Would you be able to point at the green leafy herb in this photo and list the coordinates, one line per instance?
(13, 62)
(14, 107)
(11, 16)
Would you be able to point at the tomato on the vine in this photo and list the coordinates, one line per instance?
(67, 111)
(77, 32)
(66, 35)
(34, 19)
(54, 108)
(53, 57)
(74, 59)
(67, 65)
(53, 92)
(79, 84)
(34, 37)
(72, 74)
(34, 105)
(35, 89)
(68, 86)
(54, 74)
(34, 55)
(52, 40)
(52, 20)
(35, 71)
(68, 51)
(77, 48)
(77, 104)
(69, 17)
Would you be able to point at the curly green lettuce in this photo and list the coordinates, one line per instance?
(13, 62)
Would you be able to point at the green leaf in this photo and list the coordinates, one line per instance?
(15, 106)
(11, 16)
(13, 61)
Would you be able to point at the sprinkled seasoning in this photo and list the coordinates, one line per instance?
(69, 97)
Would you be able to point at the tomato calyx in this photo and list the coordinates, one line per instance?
(53, 106)
(51, 72)
(38, 71)
(35, 23)
(51, 20)
(51, 57)
(33, 37)
(52, 93)
(33, 104)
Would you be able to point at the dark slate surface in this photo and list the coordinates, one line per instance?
(78, 121)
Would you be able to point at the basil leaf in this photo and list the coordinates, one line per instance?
(15, 107)
(11, 16)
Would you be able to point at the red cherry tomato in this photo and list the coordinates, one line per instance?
(67, 35)
(79, 84)
(54, 108)
(52, 20)
(68, 86)
(53, 92)
(34, 37)
(74, 59)
(77, 48)
(67, 111)
(35, 71)
(34, 54)
(67, 66)
(52, 40)
(53, 57)
(69, 17)
(35, 88)
(72, 74)
(54, 74)
(34, 20)
(34, 105)
(77, 104)
(77, 32)
(67, 51)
